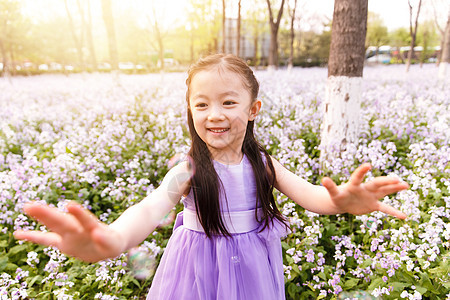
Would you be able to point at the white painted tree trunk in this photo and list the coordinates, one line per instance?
(289, 68)
(443, 70)
(340, 125)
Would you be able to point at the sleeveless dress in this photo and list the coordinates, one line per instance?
(247, 266)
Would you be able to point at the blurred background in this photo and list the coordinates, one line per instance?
(141, 36)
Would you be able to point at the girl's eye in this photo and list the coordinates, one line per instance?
(229, 102)
(200, 105)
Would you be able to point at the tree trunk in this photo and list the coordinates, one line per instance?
(255, 55)
(192, 44)
(109, 24)
(238, 38)
(78, 41)
(291, 48)
(412, 32)
(445, 52)
(89, 37)
(224, 40)
(13, 60)
(160, 46)
(274, 26)
(5, 60)
(159, 38)
(340, 125)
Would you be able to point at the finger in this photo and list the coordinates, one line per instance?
(43, 238)
(88, 220)
(331, 187)
(380, 181)
(51, 217)
(387, 209)
(391, 189)
(358, 175)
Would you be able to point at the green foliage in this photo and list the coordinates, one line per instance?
(377, 32)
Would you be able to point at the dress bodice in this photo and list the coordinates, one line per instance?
(238, 189)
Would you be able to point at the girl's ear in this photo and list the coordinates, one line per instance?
(254, 110)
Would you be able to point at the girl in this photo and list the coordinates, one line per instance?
(226, 242)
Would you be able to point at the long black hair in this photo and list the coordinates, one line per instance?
(205, 183)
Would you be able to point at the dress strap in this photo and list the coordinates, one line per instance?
(235, 222)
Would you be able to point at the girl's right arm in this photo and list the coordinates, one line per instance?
(79, 233)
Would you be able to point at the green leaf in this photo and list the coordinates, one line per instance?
(285, 246)
(351, 283)
(35, 279)
(136, 282)
(399, 286)
(3, 244)
(3, 263)
(296, 270)
(292, 290)
(366, 263)
(322, 275)
(376, 283)
(290, 260)
(16, 249)
(11, 267)
(426, 283)
(422, 290)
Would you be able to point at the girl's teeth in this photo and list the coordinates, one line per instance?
(218, 130)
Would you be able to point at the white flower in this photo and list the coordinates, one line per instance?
(404, 294)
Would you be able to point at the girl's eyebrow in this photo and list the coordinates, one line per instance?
(196, 96)
(229, 93)
(221, 95)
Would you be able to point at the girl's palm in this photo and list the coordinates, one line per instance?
(356, 197)
(77, 233)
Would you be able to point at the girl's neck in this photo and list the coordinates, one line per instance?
(227, 157)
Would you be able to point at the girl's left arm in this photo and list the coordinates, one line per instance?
(354, 197)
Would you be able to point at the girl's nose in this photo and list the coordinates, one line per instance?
(216, 114)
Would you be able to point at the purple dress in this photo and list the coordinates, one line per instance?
(248, 266)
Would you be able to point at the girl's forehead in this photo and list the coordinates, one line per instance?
(218, 72)
(217, 77)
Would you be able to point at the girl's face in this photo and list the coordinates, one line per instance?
(221, 107)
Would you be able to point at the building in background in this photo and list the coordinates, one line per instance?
(254, 44)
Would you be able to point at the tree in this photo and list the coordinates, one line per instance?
(238, 36)
(292, 33)
(109, 24)
(224, 39)
(257, 26)
(13, 29)
(445, 56)
(158, 34)
(78, 40)
(377, 32)
(274, 26)
(340, 125)
(206, 25)
(412, 31)
(441, 31)
(314, 48)
(89, 38)
(427, 37)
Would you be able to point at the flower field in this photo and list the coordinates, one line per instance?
(105, 141)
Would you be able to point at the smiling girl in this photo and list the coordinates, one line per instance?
(226, 242)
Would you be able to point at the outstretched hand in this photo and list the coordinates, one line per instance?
(356, 197)
(76, 233)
